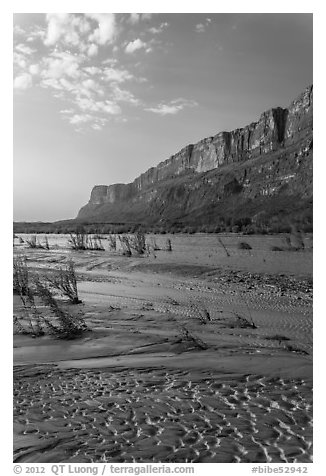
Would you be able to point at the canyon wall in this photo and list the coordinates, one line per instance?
(279, 134)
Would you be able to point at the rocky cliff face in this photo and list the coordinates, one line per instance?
(260, 149)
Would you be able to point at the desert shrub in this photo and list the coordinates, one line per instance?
(168, 245)
(112, 242)
(20, 276)
(244, 322)
(154, 245)
(276, 248)
(195, 342)
(224, 247)
(138, 242)
(67, 326)
(200, 312)
(243, 245)
(32, 242)
(125, 245)
(94, 243)
(78, 240)
(65, 281)
(46, 243)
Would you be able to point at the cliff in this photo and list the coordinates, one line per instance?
(269, 157)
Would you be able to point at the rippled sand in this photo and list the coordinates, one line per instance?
(161, 416)
(139, 389)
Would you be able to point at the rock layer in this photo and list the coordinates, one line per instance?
(280, 135)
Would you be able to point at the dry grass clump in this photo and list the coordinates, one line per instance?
(41, 313)
(194, 342)
(20, 276)
(138, 242)
(243, 245)
(224, 247)
(65, 281)
(67, 326)
(32, 242)
(112, 242)
(276, 248)
(244, 322)
(168, 246)
(81, 241)
(200, 312)
(125, 245)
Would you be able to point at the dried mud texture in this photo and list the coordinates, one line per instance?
(159, 415)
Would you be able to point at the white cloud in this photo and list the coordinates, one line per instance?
(122, 95)
(80, 118)
(135, 45)
(24, 81)
(24, 49)
(106, 31)
(34, 69)
(92, 70)
(19, 60)
(58, 23)
(61, 64)
(92, 50)
(146, 16)
(156, 30)
(117, 75)
(200, 28)
(171, 108)
(134, 18)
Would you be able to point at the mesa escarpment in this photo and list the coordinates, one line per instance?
(268, 159)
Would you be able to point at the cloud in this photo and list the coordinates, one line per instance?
(122, 95)
(134, 18)
(24, 81)
(117, 75)
(107, 29)
(92, 50)
(24, 49)
(34, 69)
(60, 64)
(171, 108)
(201, 27)
(134, 46)
(156, 30)
(58, 25)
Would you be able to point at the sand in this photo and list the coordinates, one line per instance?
(156, 380)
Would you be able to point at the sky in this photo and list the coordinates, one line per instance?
(99, 98)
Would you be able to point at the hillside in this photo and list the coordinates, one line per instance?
(260, 172)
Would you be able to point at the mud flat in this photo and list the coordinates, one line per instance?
(172, 370)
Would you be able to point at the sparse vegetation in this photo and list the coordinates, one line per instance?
(243, 245)
(65, 282)
(223, 246)
(81, 241)
(34, 320)
(244, 322)
(112, 242)
(138, 242)
(195, 342)
(20, 276)
(125, 245)
(33, 242)
(168, 245)
(200, 312)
